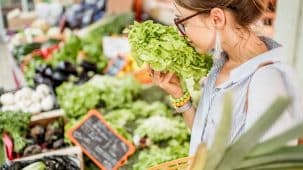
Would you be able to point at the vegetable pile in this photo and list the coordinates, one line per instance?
(165, 50)
(158, 135)
(132, 112)
(79, 52)
(43, 138)
(16, 125)
(29, 100)
(45, 163)
(109, 92)
(116, 92)
(77, 100)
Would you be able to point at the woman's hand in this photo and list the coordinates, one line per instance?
(169, 82)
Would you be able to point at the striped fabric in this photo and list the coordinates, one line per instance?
(210, 107)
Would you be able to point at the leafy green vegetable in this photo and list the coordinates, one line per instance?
(68, 52)
(76, 101)
(93, 53)
(165, 50)
(16, 125)
(21, 50)
(159, 128)
(143, 109)
(116, 92)
(110, 25)
(2, 153)
(118, 119)
(156, 155)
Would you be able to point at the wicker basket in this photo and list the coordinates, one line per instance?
(179, 164)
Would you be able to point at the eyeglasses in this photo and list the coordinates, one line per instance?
(179, 22)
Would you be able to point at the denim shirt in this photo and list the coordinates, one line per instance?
(265, 85)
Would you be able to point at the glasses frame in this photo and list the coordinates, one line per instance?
(179, 22)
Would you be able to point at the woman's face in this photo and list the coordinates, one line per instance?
(199, 29)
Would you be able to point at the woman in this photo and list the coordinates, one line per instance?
(246, 65)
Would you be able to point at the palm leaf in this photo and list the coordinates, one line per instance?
(237, 151)
(286, 154)
(222, 137)
(199, 161)
(278, 141)
(278, 166)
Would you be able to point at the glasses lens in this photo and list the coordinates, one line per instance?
(180, 26)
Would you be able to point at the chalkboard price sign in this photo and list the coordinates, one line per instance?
(101, 143)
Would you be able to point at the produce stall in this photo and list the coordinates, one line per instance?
(67, 75)
(89, 102)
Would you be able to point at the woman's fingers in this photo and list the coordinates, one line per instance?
(157, 76)
(150, 71)
(168, 77)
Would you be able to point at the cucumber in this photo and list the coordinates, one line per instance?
(35, 166)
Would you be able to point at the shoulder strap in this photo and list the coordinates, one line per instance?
(247, 92)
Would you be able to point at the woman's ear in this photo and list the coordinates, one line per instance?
(218, 18)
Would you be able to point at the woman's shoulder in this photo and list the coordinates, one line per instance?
(274, 73)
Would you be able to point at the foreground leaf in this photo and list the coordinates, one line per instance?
(200, 158)
(291, 154)
(278, 141)
(222, 137)
(237, 151)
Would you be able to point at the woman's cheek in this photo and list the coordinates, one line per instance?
(201, 38)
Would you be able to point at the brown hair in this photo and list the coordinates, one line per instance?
(245, 12)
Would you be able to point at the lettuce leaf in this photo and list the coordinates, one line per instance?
(165, 50)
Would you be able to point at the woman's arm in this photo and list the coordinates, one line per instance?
(189, 117)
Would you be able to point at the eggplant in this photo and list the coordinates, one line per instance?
(88, 66)
(37, 132)
(32, 150)
(48, 71)
(50, 163)
(59, 76)
(40, 68)
(66, 67)
(58, 144)
(40, 79)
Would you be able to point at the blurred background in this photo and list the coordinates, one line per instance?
(282, 21)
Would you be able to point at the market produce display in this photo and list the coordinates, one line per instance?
(108, 91)
(16, 125)
(64, 71)
(29, 100)
(71, 71)
(46, 163)
(165, 50)
(76, 59)
(127, 108)
(43, 138)
(78, 100)
(116, 92)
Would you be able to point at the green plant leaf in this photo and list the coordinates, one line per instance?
(237, 151)
(298, 165)
(222, 137)
(278, 141)
(286, 155)
(200, 158)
